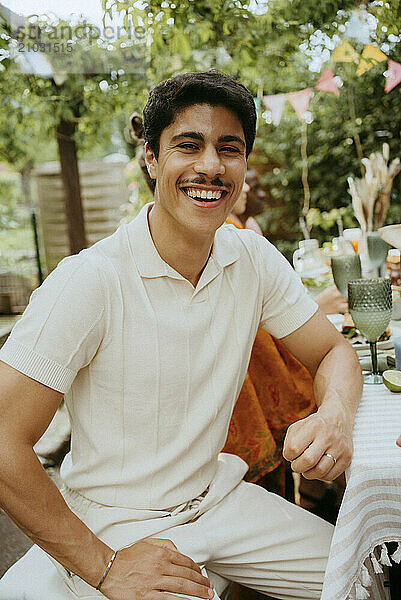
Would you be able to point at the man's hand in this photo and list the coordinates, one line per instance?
(308, 442)
(153, 569)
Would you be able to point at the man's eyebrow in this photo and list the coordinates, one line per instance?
(188, 134)
(231, 138)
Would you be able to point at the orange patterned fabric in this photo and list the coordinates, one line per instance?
(277, 391)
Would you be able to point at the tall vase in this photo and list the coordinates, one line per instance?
(367, 271)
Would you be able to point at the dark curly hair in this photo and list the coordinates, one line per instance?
(171, 96)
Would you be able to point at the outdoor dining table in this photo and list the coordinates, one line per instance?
(370, 513)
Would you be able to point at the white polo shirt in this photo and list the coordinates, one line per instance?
(150, 366)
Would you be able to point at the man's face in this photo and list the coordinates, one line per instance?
(201, 168)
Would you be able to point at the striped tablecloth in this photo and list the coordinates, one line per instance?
(370, 513)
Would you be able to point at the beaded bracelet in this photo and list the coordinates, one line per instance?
(107, 569)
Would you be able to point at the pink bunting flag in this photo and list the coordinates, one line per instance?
(327, 82)
(394, 75)
(275, 104)
(300, 102)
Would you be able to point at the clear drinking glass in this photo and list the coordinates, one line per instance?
(377, 249)
(345, 268)
(370, 305)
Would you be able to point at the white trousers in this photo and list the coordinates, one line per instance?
(243, 534)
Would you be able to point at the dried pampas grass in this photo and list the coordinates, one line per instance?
(371, 193)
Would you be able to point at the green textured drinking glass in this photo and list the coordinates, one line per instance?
(377, 249)
(345, 268)
(370, 304)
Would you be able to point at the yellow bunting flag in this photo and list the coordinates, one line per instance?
(363, 66)
(373, 53)
(370, 57)
(344, 53)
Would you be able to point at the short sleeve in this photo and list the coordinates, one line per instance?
(286, 303)
(62, 326)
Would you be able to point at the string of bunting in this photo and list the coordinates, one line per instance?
(344, 52)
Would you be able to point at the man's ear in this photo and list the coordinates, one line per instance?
(151, 161)
(137, 125)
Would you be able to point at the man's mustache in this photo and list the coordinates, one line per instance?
(202, 181)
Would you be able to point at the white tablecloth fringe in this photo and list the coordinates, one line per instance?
(360, 588)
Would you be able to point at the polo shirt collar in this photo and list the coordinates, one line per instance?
(149, 262)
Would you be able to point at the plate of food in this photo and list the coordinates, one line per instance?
(358, 341)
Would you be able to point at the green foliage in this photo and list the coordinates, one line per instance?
(12, 215)
(325, 224)
(89, 88)
(140, 193)
(254, 45)
(16, 238)
(4, 41)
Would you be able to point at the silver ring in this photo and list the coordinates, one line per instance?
(330, 456)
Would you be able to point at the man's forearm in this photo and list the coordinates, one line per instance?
(338, 384)
(33, 501)
(320, 446)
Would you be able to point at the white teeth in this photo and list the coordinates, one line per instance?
(203, 194)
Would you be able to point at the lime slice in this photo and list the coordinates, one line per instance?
(392, 380)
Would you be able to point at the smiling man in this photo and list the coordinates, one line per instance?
(199, 171)
(148, 334)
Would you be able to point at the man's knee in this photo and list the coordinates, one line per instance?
(10, 588)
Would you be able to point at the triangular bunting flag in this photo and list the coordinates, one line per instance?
(344, 53)
(275, 104)
(373, 56)
(363, 66)
(394, 75)
(327, 82)
(373, 53)
(300, 102)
